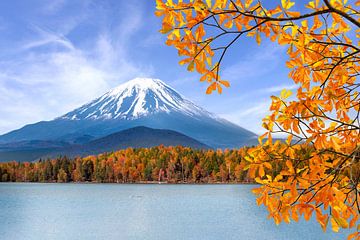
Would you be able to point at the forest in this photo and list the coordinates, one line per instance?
(164, 164)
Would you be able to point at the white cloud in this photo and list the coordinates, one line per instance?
(53, 6)
(276, 89)
(253, 65)
(250, 117)
(153, 39)
(44, 84)
(46, 37)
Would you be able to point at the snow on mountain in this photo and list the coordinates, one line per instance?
(137, 98)
(138, 102)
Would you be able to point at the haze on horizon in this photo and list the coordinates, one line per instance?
(57, 55)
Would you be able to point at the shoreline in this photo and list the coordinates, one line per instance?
(140, 183)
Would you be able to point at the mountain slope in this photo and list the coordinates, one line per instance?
(134, 99)
(139, 102)
(138, 137)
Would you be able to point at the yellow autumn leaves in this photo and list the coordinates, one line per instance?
(320, 157)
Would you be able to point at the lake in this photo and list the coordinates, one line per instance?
(139, 211)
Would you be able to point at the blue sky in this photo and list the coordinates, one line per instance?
(56, 55)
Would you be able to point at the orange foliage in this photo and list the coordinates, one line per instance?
(323, 50)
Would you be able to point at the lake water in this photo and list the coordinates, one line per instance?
(159, 212)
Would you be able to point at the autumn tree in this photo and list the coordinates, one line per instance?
(62, 176)
(321, 154)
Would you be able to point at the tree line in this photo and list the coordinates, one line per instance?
(165, 164)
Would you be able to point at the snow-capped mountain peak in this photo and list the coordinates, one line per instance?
(140, 102)
(136, 98)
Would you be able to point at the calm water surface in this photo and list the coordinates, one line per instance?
(159, 212)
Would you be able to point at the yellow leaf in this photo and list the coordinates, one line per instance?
(289, 165)
(176, 32)
(311, 5)
(354, 235)
(225, 83)
(209, 61)
(191, 66)
(267, 165)
(294, 214)
(219, 4)
(287, 4)
(159, 13)
(166, 28)
(258, 38)
(289, 139)
(208, 2)
(308, 213)
(261, 171)
(341, 222)
(252, 171)
(219, 88)
(258, 180)
(229, 24)
(260, 139)
(211, 88)
(248, 3)
(285, 94)
(186, 60)
(334, 224)
(293, 14)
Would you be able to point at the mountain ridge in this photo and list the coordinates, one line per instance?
(137, 137)
(138, 102)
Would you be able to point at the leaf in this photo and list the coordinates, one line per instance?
(208, 2)
(285, 94)
(311, 5)
(248, 3)
(308, 213)
(176, 32)
(290, 166)
(354, 235)
(289, 139)
(258, 38)
(252, 170)
(211, 88)
(261, 171)
(341, 222)
(326, 94)
(209, 61)
(287, 4)
(219, 88)
(268, 165)
(229, 24)
(166, 28)
(191, 66)
(335, 227)
(225, 83)
(293, 14)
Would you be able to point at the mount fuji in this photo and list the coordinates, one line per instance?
(138, 102)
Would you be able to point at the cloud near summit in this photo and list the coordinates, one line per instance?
(56, 55)
(49, 73)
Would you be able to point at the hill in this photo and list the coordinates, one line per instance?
(138, 137)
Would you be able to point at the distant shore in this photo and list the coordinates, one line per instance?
(164, 165)
(147, 183)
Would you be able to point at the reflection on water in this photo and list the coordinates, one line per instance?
(111, 211)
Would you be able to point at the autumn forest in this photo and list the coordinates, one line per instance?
(165, 164)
